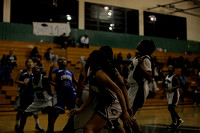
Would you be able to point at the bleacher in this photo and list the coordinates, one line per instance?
(22, 51)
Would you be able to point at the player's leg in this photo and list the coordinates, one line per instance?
(95, 124)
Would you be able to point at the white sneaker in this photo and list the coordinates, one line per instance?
(179, 123)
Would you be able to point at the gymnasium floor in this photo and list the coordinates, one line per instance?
(153, 119)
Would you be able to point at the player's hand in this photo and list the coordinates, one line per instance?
(52, 67)
(79, 102)
(130, 111)
(74, 112)
(25, 82)
(127, 120)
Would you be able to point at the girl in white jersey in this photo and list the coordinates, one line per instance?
(109, 95)
(172, 86)
(43, 97)
(139, 76)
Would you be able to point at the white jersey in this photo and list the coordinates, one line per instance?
(173, 96)
(132, 92)
(39, 92)
(42, 98)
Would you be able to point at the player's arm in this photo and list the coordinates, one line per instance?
(164, 90)
(146, 69)
(17, 81)
(83, 106)
(46, 85)
(75, 82)
(53, 80)
(122, 86)
(80, 85)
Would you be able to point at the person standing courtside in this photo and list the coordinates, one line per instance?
(84, 41)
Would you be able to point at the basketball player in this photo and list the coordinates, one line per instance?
(83, 92)
(63, 80)
(172, 86)
(25, 99)
(109, 95)
(138, 78)
(43, 97)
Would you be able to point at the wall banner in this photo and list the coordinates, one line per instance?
(51, 29)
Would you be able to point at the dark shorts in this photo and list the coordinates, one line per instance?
(61, 103)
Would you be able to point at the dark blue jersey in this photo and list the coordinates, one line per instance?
(64, 81)
(25, 76)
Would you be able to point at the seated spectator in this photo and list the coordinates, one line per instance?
(184, 84)
(171, 61)
(84, 41)
(118, 60)
(3, 60)
(62, 40)
(35, 54)
(129, 57)
(5, 75)
(11, 59)
(70, 40)
(49, 55)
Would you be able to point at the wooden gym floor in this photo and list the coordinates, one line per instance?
(154, 119)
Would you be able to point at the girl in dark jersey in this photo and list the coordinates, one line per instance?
(111, 103)
(23, 100)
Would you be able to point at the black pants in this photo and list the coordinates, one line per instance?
(174, 114)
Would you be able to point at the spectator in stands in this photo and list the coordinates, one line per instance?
(5, 75)
(11, 59)
(49, 55)
(198, 77)
(170, 61)
(62, 40)
(3, 60)
(35, 54)
(129, 57)
(184, 86)
(84, 41)
(70, 40)
(196, 63)
(118, 61)
(180, 61)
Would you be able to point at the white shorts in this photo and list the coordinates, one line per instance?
(173, 97)
(38, 105)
